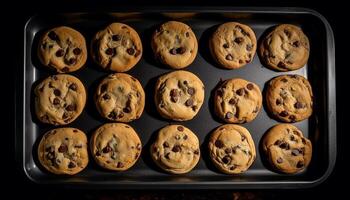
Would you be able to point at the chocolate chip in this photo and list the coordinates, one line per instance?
(295, 152)
(284, 145)
(284, 80)
(76, 51)
(70, 107)
(240, 92)
(116, 37)
(165, 144)
(121, 115)
(229, 57)
(191, 91)
(278, 142)
(243, 138)
(120, 165)
(194, 108)
(296, 43)
(176, 148)
(167, 156)
(189, 102)
(127, 109)
(112, 115)
(181, 50)
(72, 61)
(173, 51)
(238, 40)
(303, 140)
(225, 45)
(240, 61)
(284, 113)
(281, 65)
(71, 165)
(185, 137)
(73, 87)
(97, 153)
(226, 159)
(56, 101)
(107, 149)
(232, 101)
(57, 92)
(249, 47)
(65, 69)
(228, 150)
(278, 102)
(292, 138)
(78, 146)
(180, 128)
(250, 86)
(109, 51)
(53, 36)
(280, 160)
(219, 144)
(50, 149)
(300, 164)
(59, 53)
(196, 151)
(228, 115)
(292, 118)
(130, 51)
(287, 33)
(174, 93)
(187, 34)
(233, 167)
(63, 148)
(256, 109)
(106, 97)
(298, 105)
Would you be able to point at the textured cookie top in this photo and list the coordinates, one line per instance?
(237, 101)
(232, 149)
(175, 44)
(289, 98)
(179, 95)
(115, 146)
(63, 151)
(62, 48)
(118, 47)
(286, 48)
(233, 45)
(59, 99)
(120, 97)
(287, 149)
(176, 149)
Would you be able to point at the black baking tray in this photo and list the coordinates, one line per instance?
(320, 70)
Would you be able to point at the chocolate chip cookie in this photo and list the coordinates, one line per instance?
(237, 101)
(285, 48)
(63, 151)
(174, 44)
(120, 97)
(115, 146)
(179, 95)
(62, 48)
(286, 148)
(232, 149)
(176, 149)
(117, 48)
(233, 45)
(59, 99)
(289, 98)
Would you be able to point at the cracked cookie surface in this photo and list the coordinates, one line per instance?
(176, 149)
(174, 44)
(285, 48)
(120, 97)
(232, 149)
(289, 98)
(115, 146)
(62, 48)
(287, 149)
(179, 95)
(63, 151)
(59, 99)
(237, 101)
(117, 48)
(233, 45)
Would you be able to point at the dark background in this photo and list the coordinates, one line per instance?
(15, 183)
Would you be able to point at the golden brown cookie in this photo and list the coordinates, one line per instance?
(232, 149)
(237, 101)
(120, 97)
(118, 47)
(176, 149)
(59, 99)
(285, 48)
(63, 151)
(179, 95)
(174, 44)
(233, 45)
(115, 146)
(289, 98)
(62, 48)
(287, 149)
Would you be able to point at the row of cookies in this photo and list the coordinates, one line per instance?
(117, 147)
(118, 47)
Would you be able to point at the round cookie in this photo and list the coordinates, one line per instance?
(285, 48)
(63, 151)
(237, 101)
(59, 99)
(115, 146)
(232, 149)
(120, 97)
(289, 98)
(179, 95)
(62, 48)
(176, 149)
(286, 148)
(118, 47)
(233, 45)
(174, 44)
